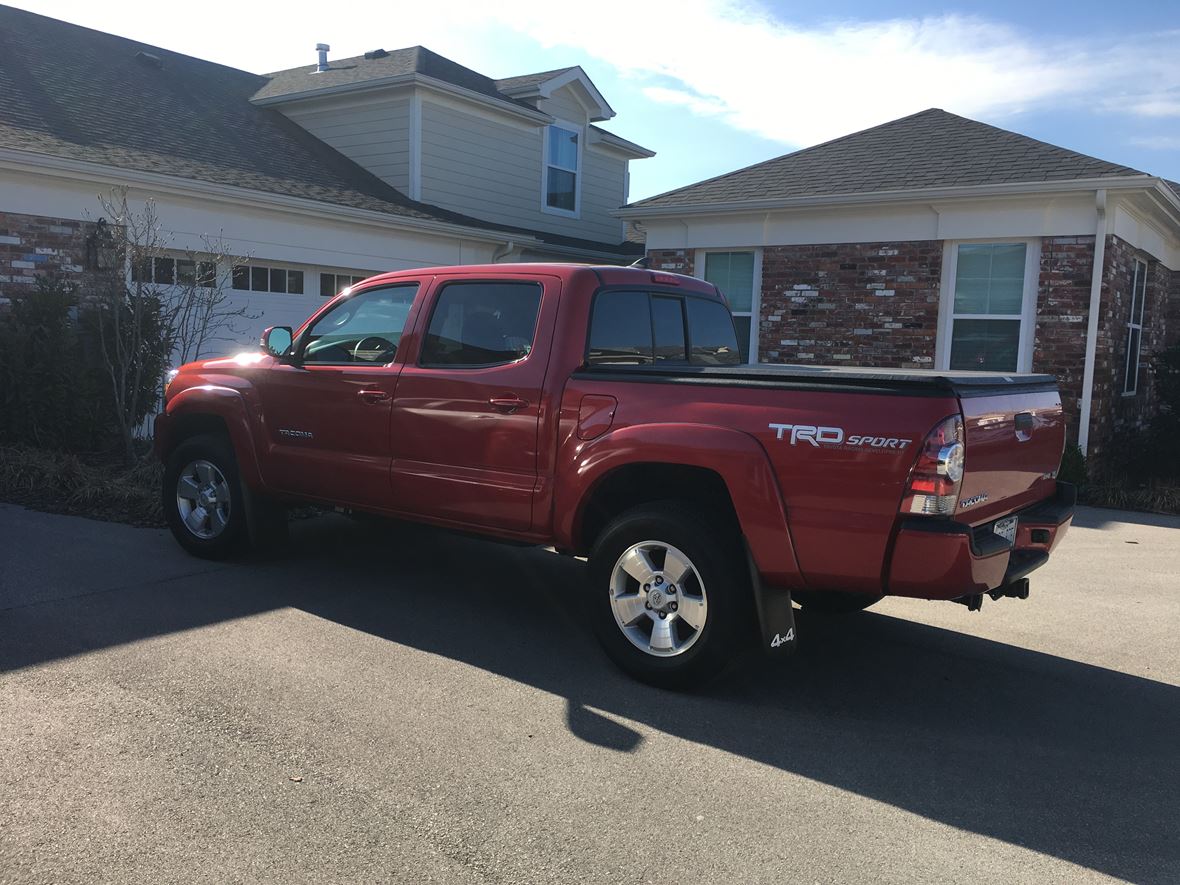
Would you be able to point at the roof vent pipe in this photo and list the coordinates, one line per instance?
(322, 49)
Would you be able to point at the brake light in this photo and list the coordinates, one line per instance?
(933, 487)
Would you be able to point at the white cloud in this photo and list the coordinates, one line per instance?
(738, 63)
(1158, 142)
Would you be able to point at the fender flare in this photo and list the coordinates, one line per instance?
(228, 404)
(735, 456)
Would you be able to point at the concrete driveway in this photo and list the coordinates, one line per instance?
(400, 705)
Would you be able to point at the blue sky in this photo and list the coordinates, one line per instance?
(713, 85)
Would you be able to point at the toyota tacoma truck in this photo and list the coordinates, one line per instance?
(607, 412)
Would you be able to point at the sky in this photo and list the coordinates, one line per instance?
(715, 85)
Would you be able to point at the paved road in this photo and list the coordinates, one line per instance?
(406, 706)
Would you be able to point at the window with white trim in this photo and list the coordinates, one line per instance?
(734, 273)
(989, 311)
(165, 271)
(332, 284)
(1135, 328)
(563, 154)
(259, 278)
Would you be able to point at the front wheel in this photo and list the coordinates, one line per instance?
(671, 594)
(202, 498)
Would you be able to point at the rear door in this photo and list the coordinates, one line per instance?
(466, 414)
(1013, 444)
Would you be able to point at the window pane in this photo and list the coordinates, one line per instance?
(561, 189)
(374, 319)
(241, 277)
(295, 282)
(482, 324)
(260, 279)
(711, 333)
(327, 285)
(165, 269)
(742, 326)
(667, 315)
(141, 270)
(733, 274)
(989, 278)
(620, 331)
(563, 148)
(1131, 383)
(186, 272)
(207, 274)
(278, 279)
(986, 345)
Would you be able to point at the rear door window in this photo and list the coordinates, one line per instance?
(481, 324)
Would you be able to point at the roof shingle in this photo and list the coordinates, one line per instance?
(929, 149)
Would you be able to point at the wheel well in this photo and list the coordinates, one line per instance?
(636, 484)
(188, 426)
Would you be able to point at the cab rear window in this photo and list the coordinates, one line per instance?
(645, 328)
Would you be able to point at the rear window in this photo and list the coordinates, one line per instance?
(642, 329)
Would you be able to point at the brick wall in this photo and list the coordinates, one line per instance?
(858, 304)
(32, 245)
(1063, 310)
(674, 260)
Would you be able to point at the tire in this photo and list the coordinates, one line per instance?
(830, 602)
(657, 547)
(203, 498)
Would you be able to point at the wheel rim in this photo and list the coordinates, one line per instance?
(203, 499)
(658, 599)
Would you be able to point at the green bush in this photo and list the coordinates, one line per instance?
(1073, 466)
(51, 390)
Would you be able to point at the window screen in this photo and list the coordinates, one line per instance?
(482, 324)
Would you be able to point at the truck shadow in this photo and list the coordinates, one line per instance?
(1064, 758)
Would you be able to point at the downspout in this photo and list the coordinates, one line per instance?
(503, 251)
(1092, 324)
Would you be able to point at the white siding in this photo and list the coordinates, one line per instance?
(491, 170)
(565, 106)
(373, 133)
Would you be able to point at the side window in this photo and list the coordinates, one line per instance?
(620, 330)
(365, 328)
(710, 329)
(476, 325)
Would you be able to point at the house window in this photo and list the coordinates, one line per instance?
(333, 283)
(562, 155)
(1135, 328)
(257, 278)
(988, 321)
(164, 271)
(734, 273)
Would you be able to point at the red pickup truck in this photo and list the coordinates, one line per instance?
(606, 412)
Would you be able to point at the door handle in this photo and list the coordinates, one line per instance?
(373, 395)
(507, 403)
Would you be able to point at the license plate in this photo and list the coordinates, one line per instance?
(1006, 528)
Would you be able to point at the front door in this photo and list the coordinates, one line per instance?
(327, 415)
(466, 413)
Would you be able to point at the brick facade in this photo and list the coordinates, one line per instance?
(859, 304)
(1063, 315)
(32, 245)
(674, 260)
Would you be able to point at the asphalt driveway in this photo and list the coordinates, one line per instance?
(398, 704)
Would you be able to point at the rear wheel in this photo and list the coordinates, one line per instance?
(834, 603)
(670, 594)
(202, 498)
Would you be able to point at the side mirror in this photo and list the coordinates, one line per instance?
(277, 341)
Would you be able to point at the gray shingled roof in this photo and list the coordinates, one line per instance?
(929, 149)
(399, 62)
(75, 93)
(524, 81)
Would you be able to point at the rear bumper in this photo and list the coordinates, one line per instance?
(939, 559)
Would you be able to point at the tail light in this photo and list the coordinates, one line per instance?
(933, 487)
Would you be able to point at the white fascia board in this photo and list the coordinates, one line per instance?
(1138, 182)
(577, 75)
(407, 80)
(628, 148)
(23, 161)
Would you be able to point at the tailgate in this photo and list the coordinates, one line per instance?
(1013, 442)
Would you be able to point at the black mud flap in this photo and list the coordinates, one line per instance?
(776, 616)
